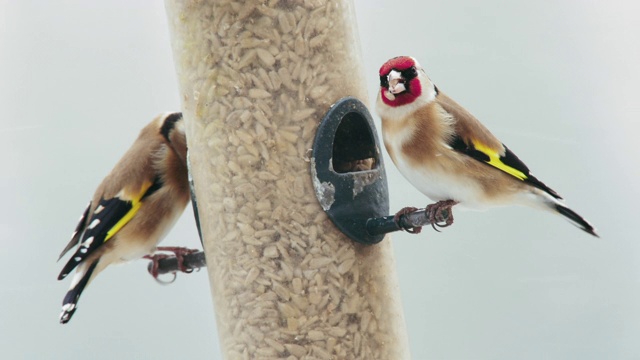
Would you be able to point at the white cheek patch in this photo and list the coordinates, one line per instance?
(430, 93)
(396, 112)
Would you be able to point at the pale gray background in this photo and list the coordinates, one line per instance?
(556, 80)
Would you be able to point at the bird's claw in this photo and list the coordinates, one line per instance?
(178, 252)
(404, 211)
(435, 213)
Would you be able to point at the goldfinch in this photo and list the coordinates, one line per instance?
(133, 208)
(448, 155)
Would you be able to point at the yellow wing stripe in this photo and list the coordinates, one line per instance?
(135, 206)
(494, 160)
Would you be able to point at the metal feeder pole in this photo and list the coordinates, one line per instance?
(255, 78)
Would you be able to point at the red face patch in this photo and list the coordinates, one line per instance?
(414, 89)
(399, 63)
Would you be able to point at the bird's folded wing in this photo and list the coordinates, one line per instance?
(75, 237)
(109, 217)
(502, 159)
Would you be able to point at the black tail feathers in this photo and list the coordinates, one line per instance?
(576, 219)
(70, 301)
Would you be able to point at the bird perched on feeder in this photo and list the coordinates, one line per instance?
(447, 154)
(133, 208)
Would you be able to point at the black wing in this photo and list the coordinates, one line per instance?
(107, 219)
(107, 214)
(508, 163)
(75, 237)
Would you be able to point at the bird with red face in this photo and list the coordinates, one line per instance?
(448, 155)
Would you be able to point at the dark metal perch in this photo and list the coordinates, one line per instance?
(375, 226)
(411, 220)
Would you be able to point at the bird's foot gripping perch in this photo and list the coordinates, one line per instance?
(405, 211)
(179, 255)
(437, 211)
(411, 219)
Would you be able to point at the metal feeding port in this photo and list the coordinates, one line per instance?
(347, 170)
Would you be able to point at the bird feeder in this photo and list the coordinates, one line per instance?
(256, 79)
(347, 170)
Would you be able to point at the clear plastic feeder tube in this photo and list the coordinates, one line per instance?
(255, 78)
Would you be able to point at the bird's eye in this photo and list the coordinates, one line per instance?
(410, 73)
(384, 81)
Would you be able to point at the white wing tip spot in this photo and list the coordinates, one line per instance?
(94, 223)
(87, 242)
